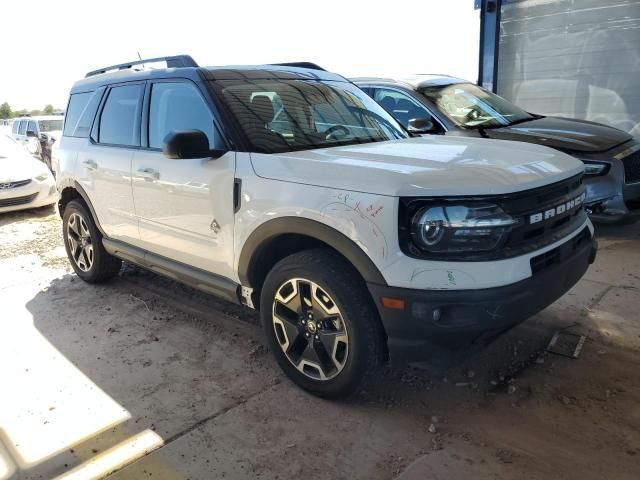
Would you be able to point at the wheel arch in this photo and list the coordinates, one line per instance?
(72, 190)
(277, 238)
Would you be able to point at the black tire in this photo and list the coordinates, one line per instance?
(103, 266)
(347, 290)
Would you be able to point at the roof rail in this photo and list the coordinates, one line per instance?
(309, 65)
(176, 61)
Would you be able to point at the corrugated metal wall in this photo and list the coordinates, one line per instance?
(575, 58)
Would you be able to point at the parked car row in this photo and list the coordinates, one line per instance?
(38, 134)
(365, 220)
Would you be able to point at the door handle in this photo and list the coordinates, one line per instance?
(149, 174)
(90, 165)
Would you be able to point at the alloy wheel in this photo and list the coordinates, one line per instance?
(310, 329)
(80, 242)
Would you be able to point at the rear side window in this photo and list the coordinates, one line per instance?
(23, 127)
(178, 106)
(119, 115)
(77, 104)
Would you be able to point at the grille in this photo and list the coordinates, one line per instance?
(632, 168)
(19, 183)
(528, 236)
(559, 253)
(12, 202)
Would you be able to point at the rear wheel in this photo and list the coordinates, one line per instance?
(320, 322)
(83, 243)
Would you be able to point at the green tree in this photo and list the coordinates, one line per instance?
(48, 109)
(5, 110)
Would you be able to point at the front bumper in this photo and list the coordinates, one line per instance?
(35, 194)
(436, 320)
(613, 198)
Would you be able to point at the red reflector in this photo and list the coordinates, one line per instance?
(395, 303)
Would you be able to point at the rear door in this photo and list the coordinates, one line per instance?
(104, 166)
(184, 207)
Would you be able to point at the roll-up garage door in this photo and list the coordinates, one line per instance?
(573, 58)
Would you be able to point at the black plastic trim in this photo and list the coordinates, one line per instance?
(194, 277)
(296, 225)
(459, 319)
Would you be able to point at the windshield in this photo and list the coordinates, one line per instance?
(50, 125)
(287, 115)
(470, 106)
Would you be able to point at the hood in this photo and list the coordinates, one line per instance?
(16, 164)
(563, 133)
(423, 166)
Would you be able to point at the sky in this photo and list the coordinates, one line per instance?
(60, 41)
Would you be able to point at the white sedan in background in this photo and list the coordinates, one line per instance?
(24, 181)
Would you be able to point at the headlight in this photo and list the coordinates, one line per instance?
(42, 177)
(460, 228)
(595, 168)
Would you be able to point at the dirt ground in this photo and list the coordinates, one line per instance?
(144, 378)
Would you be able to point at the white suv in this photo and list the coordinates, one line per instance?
(355, 241)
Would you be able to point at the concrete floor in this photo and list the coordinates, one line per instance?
(147, 378)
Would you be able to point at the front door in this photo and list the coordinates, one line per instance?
(184, 207)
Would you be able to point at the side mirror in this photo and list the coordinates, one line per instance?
(186, 144)
(31, 133)
(421, 125)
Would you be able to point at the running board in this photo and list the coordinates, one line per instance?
(194, 277)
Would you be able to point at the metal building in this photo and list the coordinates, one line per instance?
(573, 58)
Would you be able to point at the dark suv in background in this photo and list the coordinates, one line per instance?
(444, 105)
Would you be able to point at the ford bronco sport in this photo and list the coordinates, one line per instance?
(289, 190)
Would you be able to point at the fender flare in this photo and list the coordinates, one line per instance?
(73, 184)
(310, 228)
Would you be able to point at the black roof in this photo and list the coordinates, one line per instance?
(128, 72)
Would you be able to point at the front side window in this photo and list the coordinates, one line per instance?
(32, 127)
(400, 105)
(14, 127)
(178, 106)
(288, 115)
(118, 119)
(470, 106)
(23, 127)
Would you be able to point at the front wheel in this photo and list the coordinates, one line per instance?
(321, 323)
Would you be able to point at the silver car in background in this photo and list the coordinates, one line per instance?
(443, 105)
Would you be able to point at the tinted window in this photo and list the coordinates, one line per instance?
(288, 115)
(23, 127)
(178, 106)
(77, 104)
(400, 105)
(470, 106)
(118, 119)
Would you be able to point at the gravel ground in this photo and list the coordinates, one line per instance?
(142, 377)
